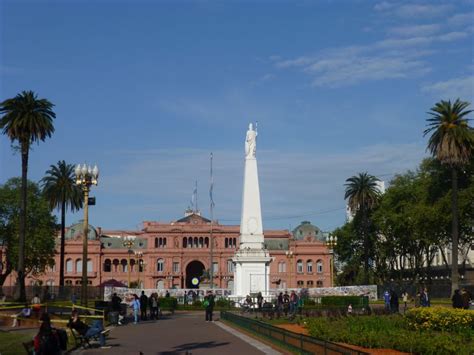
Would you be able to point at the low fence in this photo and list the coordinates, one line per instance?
(299, 342)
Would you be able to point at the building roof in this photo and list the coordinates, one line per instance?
(194, 218)
(276, 244)
(76, 230)
(306, 229)
(117, 243)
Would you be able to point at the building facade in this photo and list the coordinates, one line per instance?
(170, 255)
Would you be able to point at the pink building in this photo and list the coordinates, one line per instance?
(170, 255)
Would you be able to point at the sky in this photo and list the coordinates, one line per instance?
(148, 89)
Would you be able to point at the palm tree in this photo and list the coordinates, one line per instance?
(62, 193)
(26, 119)
(452, 143)
(362, 193)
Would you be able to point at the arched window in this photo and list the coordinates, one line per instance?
(123, 262)
(132, 265)
(185, 242)
(319, 284)
(160, 265)
(107, 265)
(226, 243)
(116, 263)
(68, 282)
(201, 242)
(190, 242)
(69, 266)
(206, 241)
(79, 265)
(164, 242)
(89, 265)
(309, 266)
(156, 242)
(319, 266)
(299, 266)
(195, 242)
(160, 284)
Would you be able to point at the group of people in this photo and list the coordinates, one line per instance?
(288, 303)
(461, 299)
(142, 304)
(391, 300)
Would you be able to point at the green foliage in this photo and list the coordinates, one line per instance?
(40, 234)
(168, 303)
(390, 332)
(440, 318)
(223, 303)
(344, 301)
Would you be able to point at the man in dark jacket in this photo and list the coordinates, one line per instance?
(457, 299)
(143, 305)
(209, 304)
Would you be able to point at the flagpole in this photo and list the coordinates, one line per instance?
(211, 203)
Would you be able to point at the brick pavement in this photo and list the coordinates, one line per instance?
(181, 334)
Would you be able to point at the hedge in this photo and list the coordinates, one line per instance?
(440, 318)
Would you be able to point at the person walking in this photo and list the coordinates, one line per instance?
(209, 305)
(143, 305)
(135, 307)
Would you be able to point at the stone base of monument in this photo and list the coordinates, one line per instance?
(252, 272)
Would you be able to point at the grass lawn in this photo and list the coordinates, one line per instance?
(10, 342)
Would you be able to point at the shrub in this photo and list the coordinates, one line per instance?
(440, 318)
(197, 303)
(168, 303)
(344, 301)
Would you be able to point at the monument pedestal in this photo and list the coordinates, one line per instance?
(252, 269)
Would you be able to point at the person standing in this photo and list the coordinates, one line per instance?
(209, 305)
(259, 301)
(143, 305)
(425, 298)
(466, 298)
(457, 299)
(279, 304)
(405, 301)
(154, 306)
(394, 302)
(135, 307)
(386, 299)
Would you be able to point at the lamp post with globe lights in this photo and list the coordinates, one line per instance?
(289, 255)
(331, 243)
(138, 263)
(129, 242)
(85, 178)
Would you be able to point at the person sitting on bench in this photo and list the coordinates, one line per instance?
(95, 330)
(24, 313)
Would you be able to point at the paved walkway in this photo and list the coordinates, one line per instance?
(183, 334)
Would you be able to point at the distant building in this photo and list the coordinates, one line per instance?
(170, 255)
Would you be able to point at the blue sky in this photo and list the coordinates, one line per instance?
(148, 89)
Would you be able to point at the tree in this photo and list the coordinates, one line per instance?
(62, 193)
(26, 119)
(362, 193)
(452, 143)
(40, 236)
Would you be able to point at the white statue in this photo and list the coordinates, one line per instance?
(251, 142)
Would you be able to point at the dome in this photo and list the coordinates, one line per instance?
(306, 229)
(75, 231)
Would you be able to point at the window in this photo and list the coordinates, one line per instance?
(89, 265)
(160, 265)
(68, 282)
(201, 242)
(300, 283)
(215, 267)
(310, 284)
(78, 265)
(107, 265)
(116, 263)
(230, 266)
(160, 284)
(281, 267)
(206, 242)
(185, 242)
(123, 262)
(309, 266)
(299, 266)
(319, 266)
(68, 265)
(175, 267)
(319, 284)
(160, 242)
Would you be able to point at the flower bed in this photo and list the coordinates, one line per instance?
(394, 332)
(445, 319)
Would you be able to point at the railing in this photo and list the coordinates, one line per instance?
(299, 342)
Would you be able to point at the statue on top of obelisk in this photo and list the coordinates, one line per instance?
(251, 143)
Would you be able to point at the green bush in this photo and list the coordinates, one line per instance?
(391, 332)
(168, 303)
(344, 301)
(440, 318)
(223, 303)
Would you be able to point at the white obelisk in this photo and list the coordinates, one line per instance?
(252, 260)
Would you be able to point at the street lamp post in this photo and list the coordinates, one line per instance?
(128, 242)
(331, 243)
(85, 178)
(289, 254)
(138, 255)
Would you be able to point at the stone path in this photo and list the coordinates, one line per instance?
(183, 334)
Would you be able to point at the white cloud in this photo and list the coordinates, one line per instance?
(461, 19)
(462, 88)
(413, 10)
(415, 30)
(384, 6)
(291, 183)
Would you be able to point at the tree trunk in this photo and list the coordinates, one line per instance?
(21, 291)
(61, 257)
(455, 231)
(366, 246)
